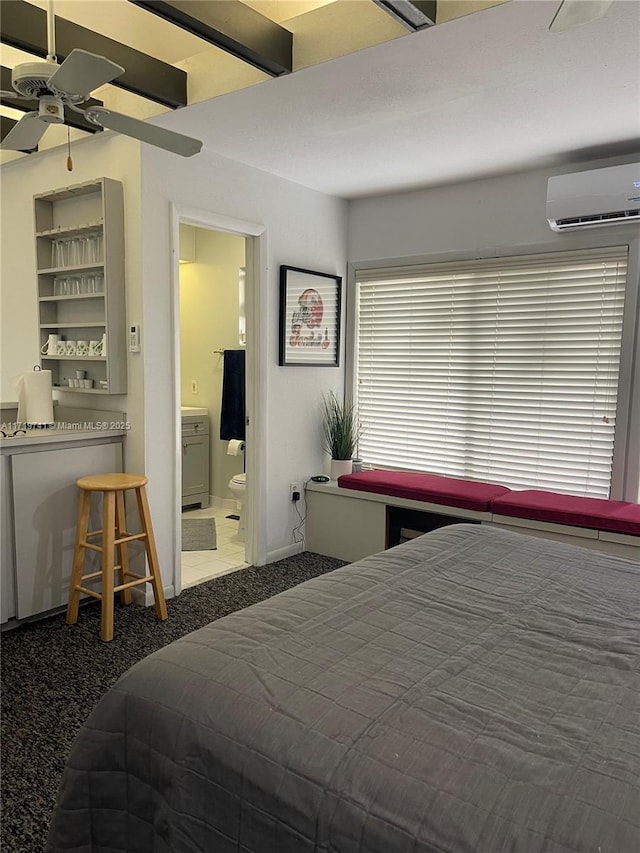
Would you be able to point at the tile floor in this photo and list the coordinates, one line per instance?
(200, 566)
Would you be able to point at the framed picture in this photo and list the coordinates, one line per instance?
(309, 318)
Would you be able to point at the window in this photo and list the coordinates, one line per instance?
(503, 370)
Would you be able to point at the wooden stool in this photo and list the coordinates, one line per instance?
(114, 535)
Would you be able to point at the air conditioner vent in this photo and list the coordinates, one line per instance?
(615, 218)
(594, 199)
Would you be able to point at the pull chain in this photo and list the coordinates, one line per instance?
(69, 160)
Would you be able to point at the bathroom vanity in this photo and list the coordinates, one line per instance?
(195, 456)
(38, 471)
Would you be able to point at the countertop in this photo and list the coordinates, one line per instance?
(188, 411)
(52, 437)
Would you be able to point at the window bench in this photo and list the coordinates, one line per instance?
(363, 513)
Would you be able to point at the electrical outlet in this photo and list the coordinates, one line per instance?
(294, 492)
(194, 386)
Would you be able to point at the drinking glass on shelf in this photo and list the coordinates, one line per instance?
(95, 248)
(61, 286)
(96, 243)
(99, 282)
(75, 252)
(85, 249)
(73, 285)
(60, 253)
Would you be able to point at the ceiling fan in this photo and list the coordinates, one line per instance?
(70, 84)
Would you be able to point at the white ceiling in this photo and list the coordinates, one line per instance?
(485, 94)
(472, 97)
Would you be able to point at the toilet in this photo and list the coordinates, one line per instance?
(238, 487)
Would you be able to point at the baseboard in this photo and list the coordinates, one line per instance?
(287, 551)
(145, 596)
(227, 504)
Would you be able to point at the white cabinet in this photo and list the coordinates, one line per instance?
(39, 513)
(7, 571)
(80, 266)
(195, 460)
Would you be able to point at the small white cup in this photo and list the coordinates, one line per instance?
(61, 348)
(95, 348)
(82, 348)
(70, 383)
(87, 383)
(81, 374)
(71, 348)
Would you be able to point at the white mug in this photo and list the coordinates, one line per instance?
(82, 347)
(61, 348)
(95, 348)
(71, 347)
(50, 348)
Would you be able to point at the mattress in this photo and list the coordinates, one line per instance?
(471, 691)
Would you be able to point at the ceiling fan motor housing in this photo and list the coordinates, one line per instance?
(51, 109)
(31, 78)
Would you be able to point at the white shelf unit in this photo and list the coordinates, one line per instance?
(92, 208)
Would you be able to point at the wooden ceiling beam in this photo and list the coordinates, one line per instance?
(412, 14)
(24, 27)
(232, 26)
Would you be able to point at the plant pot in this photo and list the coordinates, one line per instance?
(340, 467)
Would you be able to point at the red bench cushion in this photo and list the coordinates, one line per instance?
(598, 513)
(447, 491)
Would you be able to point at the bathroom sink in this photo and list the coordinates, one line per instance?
(193, 410)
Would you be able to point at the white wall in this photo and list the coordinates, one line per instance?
(304, 228)
(497, 216)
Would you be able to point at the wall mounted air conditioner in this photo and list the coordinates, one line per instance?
(592, 199)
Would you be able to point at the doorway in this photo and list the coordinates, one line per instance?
(217, 272)
(212, 268)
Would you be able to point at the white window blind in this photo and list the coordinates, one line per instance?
(503, 370)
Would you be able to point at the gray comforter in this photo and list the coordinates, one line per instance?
(471, 691)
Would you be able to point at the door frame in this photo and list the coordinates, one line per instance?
(255, 235)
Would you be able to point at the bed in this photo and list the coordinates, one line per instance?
(470, 691)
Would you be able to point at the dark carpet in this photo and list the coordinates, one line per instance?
(53, 674)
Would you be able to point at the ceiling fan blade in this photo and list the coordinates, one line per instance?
(82, 72)
(14, 96)
(177, 143)
(25, 135)
(575, 13)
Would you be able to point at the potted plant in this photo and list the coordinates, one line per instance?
(341, 431)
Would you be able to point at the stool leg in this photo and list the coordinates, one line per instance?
(82, 529)
(108, 566)
(123, 549)
(152, 554)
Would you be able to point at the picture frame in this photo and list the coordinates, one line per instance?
(310, 308)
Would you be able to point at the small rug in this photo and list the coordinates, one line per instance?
(199, 534)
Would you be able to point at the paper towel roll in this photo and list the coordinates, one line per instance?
(35, 397)
(236, 447)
